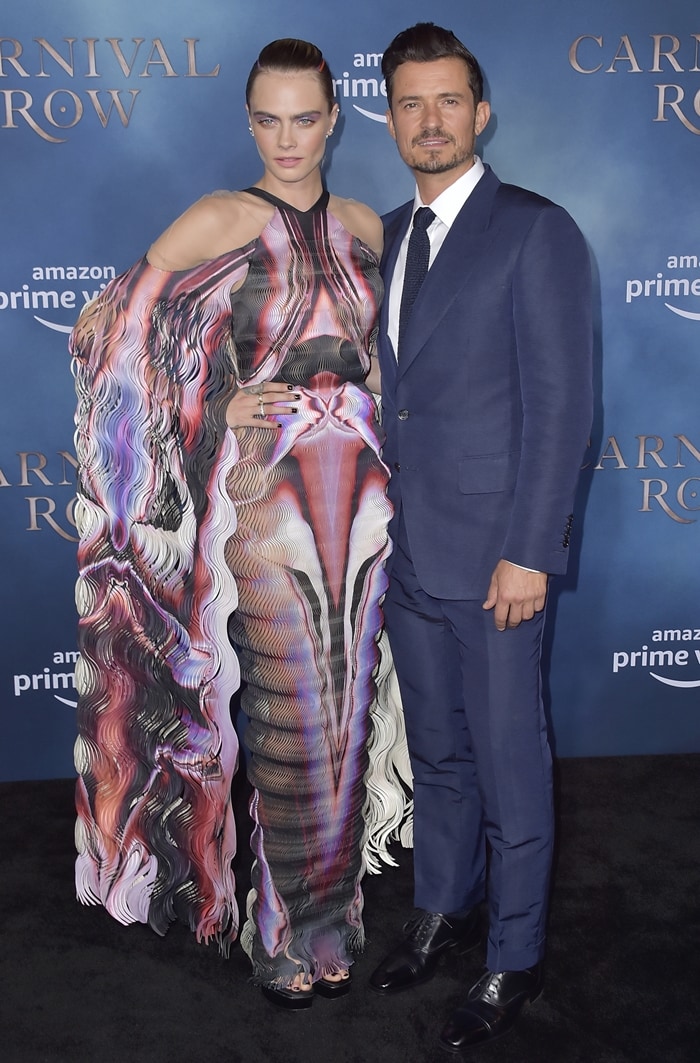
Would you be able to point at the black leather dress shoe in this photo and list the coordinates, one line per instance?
(429, 935)
(492, 1007)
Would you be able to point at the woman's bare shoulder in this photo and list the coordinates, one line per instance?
(360, 220)
(218, 222)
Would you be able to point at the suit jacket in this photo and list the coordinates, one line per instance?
(488, 410)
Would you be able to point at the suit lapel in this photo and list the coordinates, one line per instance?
(393, 236)
(456, 260)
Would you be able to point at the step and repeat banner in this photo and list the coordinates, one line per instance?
(115, 116)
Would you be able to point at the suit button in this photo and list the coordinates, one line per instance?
(397, 466)
(403, 415)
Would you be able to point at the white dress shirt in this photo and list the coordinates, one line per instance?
(446, 208)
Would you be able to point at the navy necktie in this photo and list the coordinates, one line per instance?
(417, 260)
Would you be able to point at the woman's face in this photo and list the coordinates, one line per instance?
(290, 119)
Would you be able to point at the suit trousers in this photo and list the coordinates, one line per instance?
(481, 761)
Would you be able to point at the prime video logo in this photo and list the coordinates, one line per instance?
(357, 86)
(652, 659)
(49, 680)
(664, 287)
(46, 292)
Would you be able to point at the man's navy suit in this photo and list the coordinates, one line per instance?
(487, 413)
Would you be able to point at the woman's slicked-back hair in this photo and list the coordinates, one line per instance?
(423, 43)
(289, 56)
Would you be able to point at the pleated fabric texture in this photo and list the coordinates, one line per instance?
(193, 538)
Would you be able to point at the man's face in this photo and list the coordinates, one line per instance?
(433, 118)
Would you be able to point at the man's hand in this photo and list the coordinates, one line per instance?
(515, 594)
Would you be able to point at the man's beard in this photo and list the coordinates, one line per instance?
(437, 164)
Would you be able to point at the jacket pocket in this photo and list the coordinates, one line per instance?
(487, 473)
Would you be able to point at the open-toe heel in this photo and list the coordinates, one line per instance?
(330, 990)
(286, 997)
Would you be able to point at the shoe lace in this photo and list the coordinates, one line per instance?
(421, 927)
(488, 985)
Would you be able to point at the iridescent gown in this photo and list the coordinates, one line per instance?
(191, 534)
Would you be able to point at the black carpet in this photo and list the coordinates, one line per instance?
(623, 968)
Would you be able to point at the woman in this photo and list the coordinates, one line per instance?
(229, 471)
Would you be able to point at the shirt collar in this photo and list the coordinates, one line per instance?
(449, 203)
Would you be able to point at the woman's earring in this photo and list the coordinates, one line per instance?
(250, 130)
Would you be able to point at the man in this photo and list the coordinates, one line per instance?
(486, 397)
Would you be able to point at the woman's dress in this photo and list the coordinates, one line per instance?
(278, 537)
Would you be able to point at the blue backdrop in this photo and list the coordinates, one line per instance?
(115, 116)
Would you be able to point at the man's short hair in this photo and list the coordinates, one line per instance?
(423, 43)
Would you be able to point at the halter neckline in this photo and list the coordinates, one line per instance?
(320, 204)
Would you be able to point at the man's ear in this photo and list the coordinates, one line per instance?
(483, 113)
(390, 124)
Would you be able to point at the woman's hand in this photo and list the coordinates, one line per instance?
(257, 406)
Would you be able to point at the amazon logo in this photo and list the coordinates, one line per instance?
(661, 656)
(674, 290)
(364, 83)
